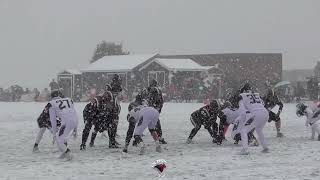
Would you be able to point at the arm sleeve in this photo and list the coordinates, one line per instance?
(53, 120)
(84, 113)
(316, 114)
(223, 122)
(280, 104)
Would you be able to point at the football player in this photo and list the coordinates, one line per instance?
(43, 124)
(63, 108)
(252, 102)
(270, 101)
(312, 118)
(155, 99)
(206, 116)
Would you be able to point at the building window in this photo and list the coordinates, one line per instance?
(157, 75)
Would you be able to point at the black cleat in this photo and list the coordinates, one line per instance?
(236, 142)
(125, 150)
(82, 147)
(162, 141)
(134, 143)
(35, 149)
(279, 135)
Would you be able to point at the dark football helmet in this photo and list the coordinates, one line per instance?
(56, 93)
(153, 83)
(108, 87)
(246, 88)
(116, 77)
(214, 105)
(301, 109)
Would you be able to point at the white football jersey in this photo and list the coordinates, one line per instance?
(312, 116)
(231, 114)
(252, 101)
(135, 112)
(64, 109)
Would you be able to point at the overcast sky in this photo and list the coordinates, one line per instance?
(39, 38)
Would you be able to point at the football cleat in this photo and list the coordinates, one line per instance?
(280, 135)
(189, 141)
(162, 141)
(82, 147)
(35, 149)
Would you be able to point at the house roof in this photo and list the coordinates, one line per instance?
(70, 71)
(297, 75)
(120, 63)
(179, 64)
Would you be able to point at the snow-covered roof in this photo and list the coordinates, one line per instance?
(181, 65)
(121, 63)
(296, 75)
(71, 71)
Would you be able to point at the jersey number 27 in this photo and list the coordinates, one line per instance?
(64, 103)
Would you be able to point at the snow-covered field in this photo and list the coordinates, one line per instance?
(291, 157)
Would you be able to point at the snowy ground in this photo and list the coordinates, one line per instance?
(292, 157)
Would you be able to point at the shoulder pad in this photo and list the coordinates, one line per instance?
(48, 106)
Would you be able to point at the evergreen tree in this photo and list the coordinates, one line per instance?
(107, 49)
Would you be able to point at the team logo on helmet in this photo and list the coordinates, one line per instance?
(160, 166)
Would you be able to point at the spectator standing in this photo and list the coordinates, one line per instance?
(36, 94)
(53, 85)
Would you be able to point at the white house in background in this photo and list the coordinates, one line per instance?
(136, 71)
(163, 70)
(70, 80)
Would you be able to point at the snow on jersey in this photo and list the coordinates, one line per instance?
(62, 108)
(252, 101)
(135, 112)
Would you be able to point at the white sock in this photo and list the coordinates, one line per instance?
(40, 135)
